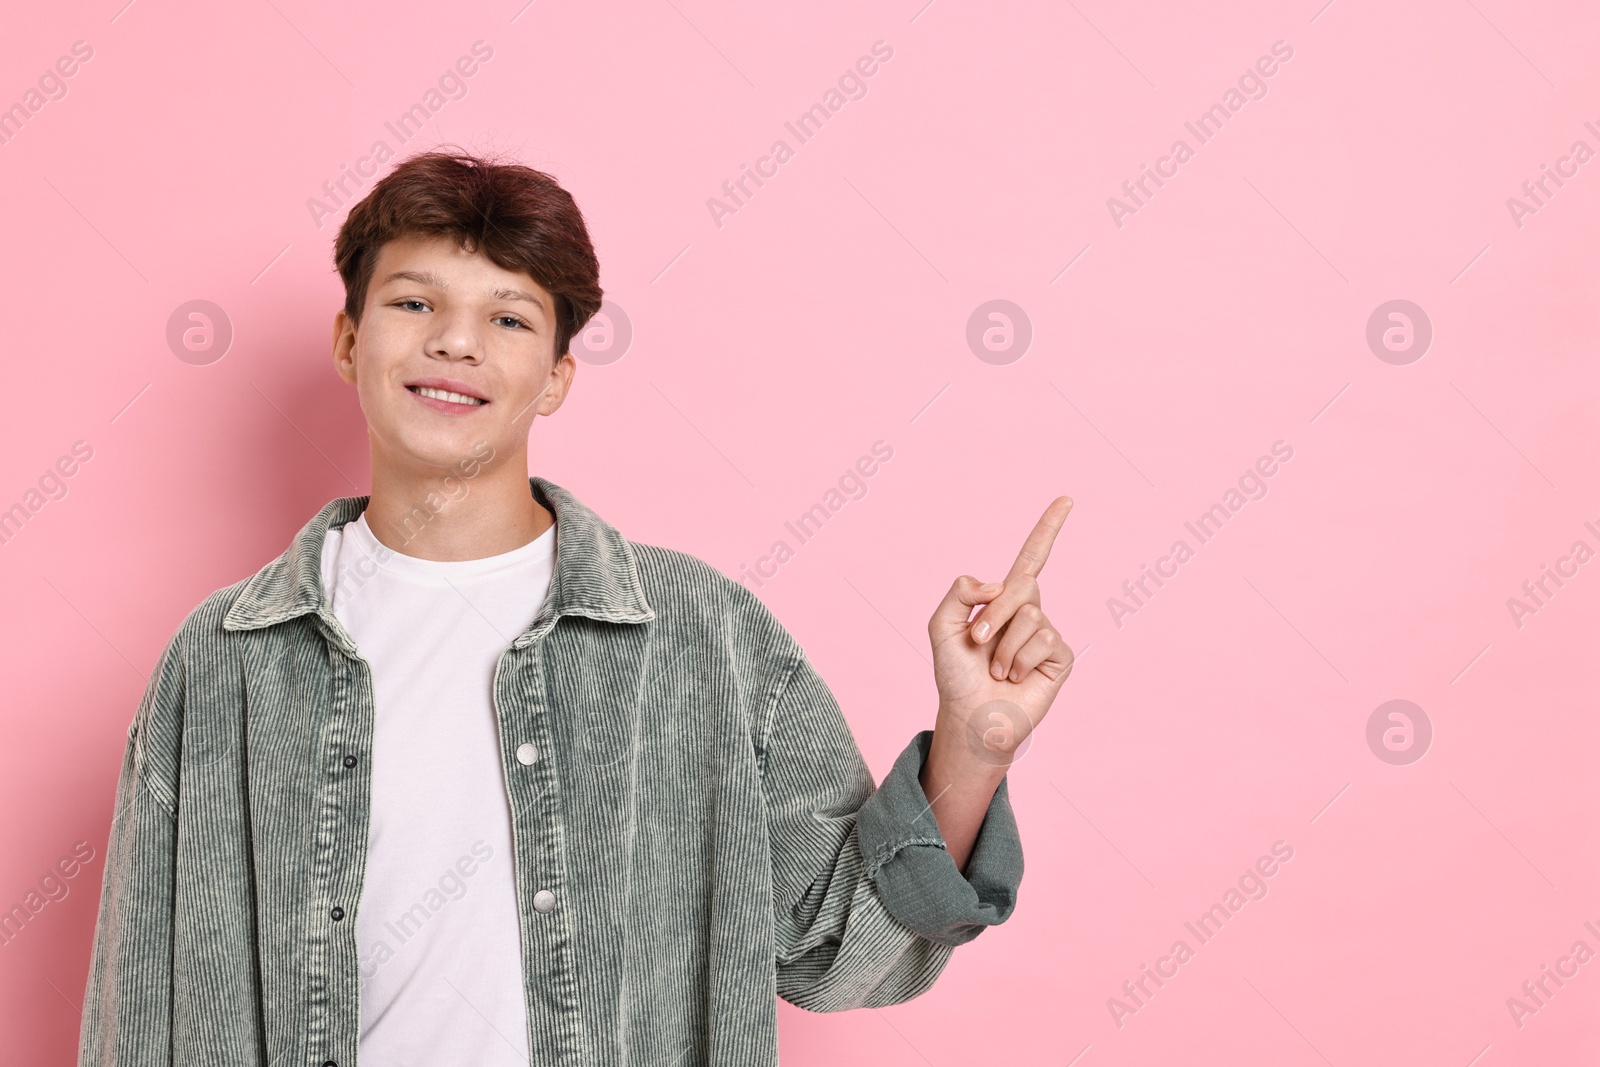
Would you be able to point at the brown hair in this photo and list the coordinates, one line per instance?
(519, 217)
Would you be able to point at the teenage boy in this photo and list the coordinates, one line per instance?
(466, 776)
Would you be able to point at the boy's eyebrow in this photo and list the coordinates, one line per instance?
(421, 277)
(427, 277)
(519, 294)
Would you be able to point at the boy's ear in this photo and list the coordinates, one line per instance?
(565, 366)
(344, 347)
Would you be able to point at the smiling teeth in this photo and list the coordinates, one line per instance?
(445, 394)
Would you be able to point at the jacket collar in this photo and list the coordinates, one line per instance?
(595, 571)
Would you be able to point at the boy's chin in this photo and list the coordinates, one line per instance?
(434, 450)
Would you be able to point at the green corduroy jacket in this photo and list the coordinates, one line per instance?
(700, 810)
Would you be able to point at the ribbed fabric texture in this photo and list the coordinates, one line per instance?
(699, 809)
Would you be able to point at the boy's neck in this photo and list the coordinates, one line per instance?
(443, 515)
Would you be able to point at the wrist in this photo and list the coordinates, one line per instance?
(993, 734)
(960, 764)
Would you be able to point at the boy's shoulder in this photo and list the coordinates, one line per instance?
(203, 623)
(674, 575)
(680, 583)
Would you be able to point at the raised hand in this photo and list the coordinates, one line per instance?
(997, 672)
(1008, 656)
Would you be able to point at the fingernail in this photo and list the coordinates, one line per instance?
(994, 669)
(981, 630)
(991, 587)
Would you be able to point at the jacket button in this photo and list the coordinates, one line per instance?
(527, 753)
(329, 1063)
(337, 913)
(544, 901)
(349, 761)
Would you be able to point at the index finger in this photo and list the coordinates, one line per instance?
(1036, 549)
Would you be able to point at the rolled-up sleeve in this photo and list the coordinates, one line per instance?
(868, 905)
(917, 877)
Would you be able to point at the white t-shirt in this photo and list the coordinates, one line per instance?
(437, 929)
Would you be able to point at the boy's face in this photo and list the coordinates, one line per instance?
(439, 317)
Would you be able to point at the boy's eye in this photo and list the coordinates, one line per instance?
(413, 304)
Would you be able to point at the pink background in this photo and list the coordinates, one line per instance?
(829, 312)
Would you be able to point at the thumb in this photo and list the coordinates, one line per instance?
(956, 608)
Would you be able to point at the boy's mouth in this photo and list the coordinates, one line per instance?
(447, 400)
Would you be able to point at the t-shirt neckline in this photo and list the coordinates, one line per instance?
(359, 537)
